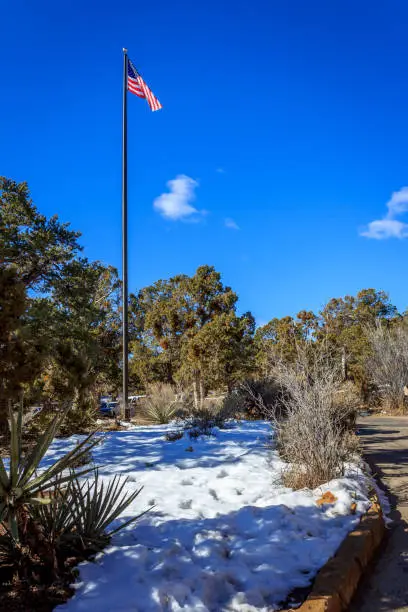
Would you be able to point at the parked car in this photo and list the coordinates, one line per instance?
(110, 409)
(134, 399)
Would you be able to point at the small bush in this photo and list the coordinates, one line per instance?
(197, 432)
(315, 436)
(173, 436)
(258, 399)
(79, 515)
(50, 519)
(20, 486)
(212, 414)
(160, 405)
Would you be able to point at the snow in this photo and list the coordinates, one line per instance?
(224, 533)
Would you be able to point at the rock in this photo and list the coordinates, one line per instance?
(327, 498)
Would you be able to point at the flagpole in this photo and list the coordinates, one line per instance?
(125, 358)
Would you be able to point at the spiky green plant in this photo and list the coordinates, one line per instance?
(80, 514)
(160, 405)
(22, 485)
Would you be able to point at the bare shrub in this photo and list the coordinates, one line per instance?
(315, 436)
(160, 404)
(259, 398)
(387, 366)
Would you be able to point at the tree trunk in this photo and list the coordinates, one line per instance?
(195, 393)
(202, 393)
(343, 363)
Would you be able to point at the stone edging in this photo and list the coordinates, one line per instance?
(337, 581)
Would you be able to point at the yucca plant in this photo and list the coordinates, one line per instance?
(80, 513)
(22, 486)
(160, 405)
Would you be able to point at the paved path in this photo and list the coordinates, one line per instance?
(385, 441)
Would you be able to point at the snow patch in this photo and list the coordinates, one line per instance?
(225, 534)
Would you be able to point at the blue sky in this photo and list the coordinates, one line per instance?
(286, 121)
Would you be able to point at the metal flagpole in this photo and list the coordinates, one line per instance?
(125, 243)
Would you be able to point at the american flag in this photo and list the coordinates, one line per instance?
(136, 85)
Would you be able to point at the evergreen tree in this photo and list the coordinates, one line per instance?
(36, 246)
(59, 313)
(343, 323)
(20, 353)
(173, 320)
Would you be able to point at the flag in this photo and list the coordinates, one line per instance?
(136, 85)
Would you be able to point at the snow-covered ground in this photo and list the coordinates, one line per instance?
(224, 534)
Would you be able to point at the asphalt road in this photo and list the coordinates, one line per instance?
(385, 443)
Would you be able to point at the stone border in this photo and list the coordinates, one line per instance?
(337, 581)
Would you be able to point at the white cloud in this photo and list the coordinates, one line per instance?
(177, 203)
(386, 228)
(389, 226)
(220, 170)
(398, 203)
(230, 223)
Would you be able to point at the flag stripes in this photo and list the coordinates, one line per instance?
(137, 86)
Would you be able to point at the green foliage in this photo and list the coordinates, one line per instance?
(20, 356)
(340, 326)
(343, 322)
(149, 364)
(21, 485)
(169, 312)
(280, 338)
(60, 324)
(51, 518)
(60, 313)
(185, 330)
(220, 353)
(36, 246)
(87, 336)
(79, 514)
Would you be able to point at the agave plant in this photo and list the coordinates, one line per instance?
(160, 405)
(22, 485)
(81, 512)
